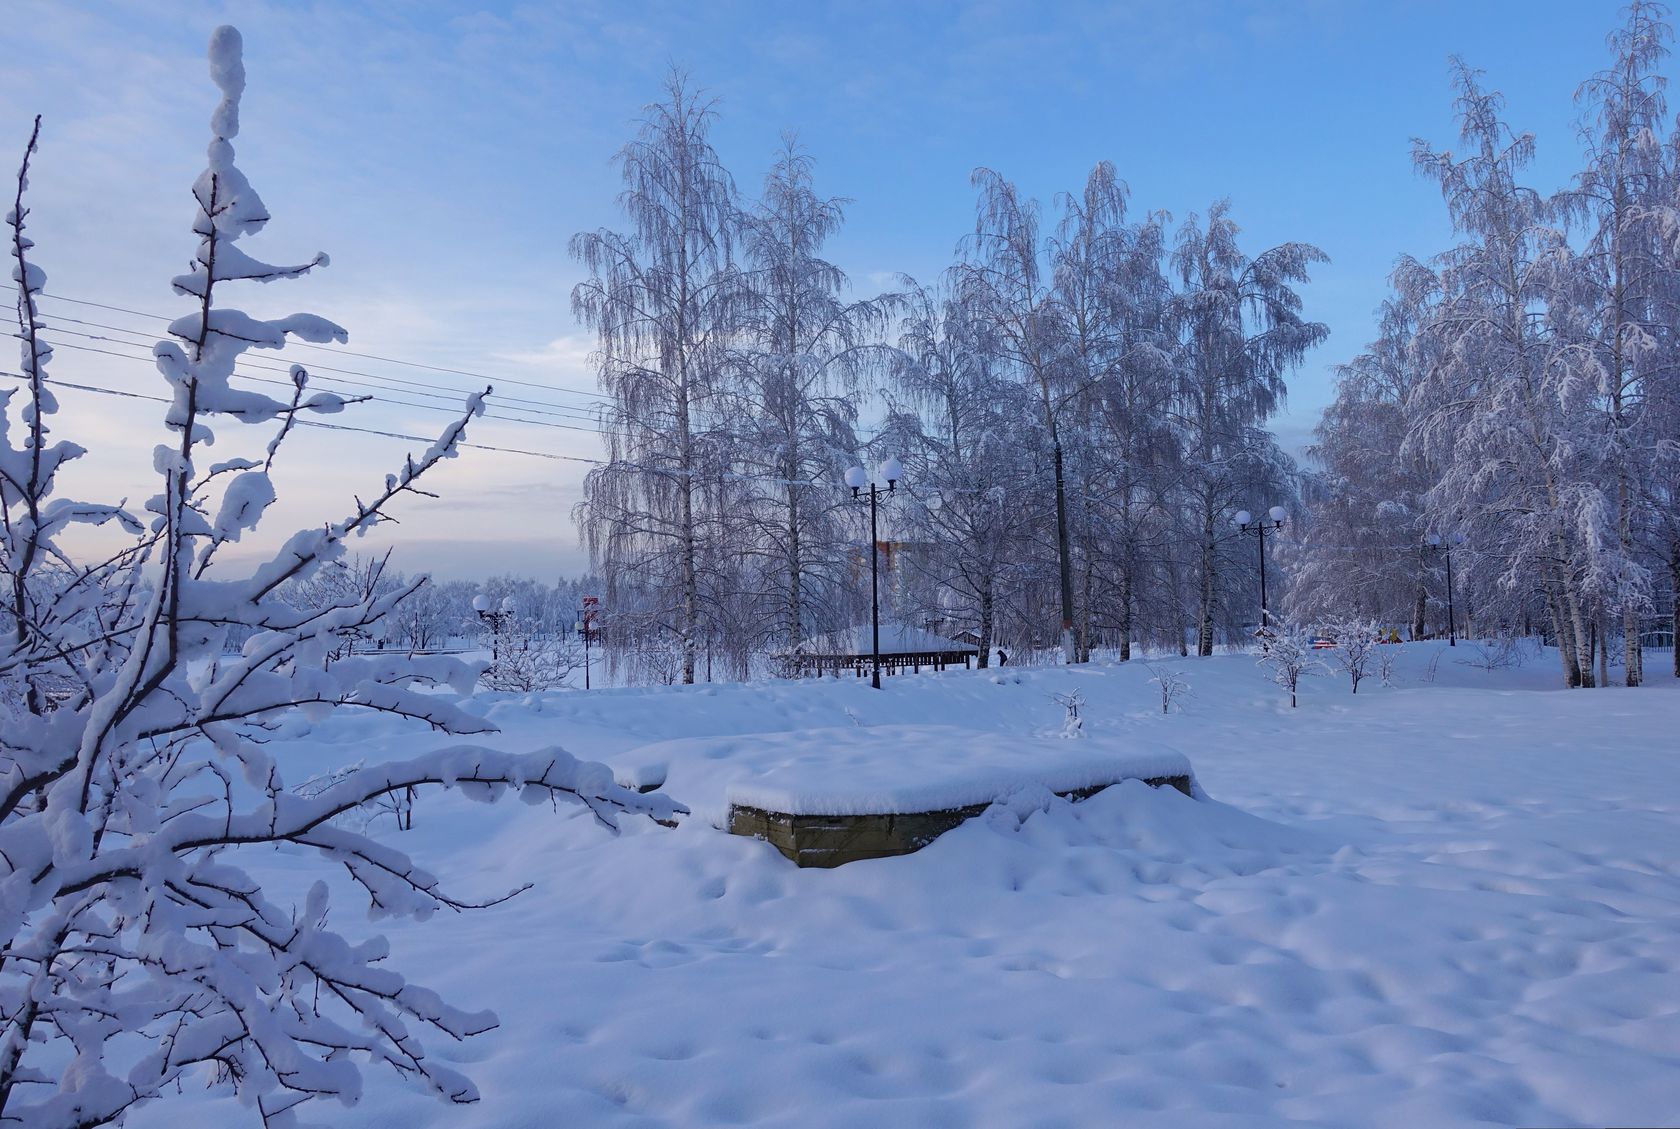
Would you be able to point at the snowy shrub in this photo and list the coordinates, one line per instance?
(655, 665)
(135, 951)
(1072, 725)
(1388, 659)
(1171, 684)
(525, 662)
(1285, 649)
(1494, 654)
(1357, 641)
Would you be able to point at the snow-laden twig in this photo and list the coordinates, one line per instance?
(134, 772)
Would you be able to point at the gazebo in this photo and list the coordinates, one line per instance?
(902, 648)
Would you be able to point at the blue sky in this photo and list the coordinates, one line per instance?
(444, 153)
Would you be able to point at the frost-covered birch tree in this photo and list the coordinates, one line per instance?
(1616, 307)
(806, 353)
(971, 486)
(1005, 275)
(1495, 412)
(137, 953)
(1239, 332)
(664, 299)
(1364, 549)
(1113, 299)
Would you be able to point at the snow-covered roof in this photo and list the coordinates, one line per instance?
(896, 639)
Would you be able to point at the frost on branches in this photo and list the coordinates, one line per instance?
(1285, 649)
(134, 950)
(1357, 642)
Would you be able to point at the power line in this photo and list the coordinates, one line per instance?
(562, 389)
(379, 399)
(412, 387)
(416, 388)
(327, 383)
(56, 383)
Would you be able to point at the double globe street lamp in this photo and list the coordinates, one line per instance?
(1275, 517)
(857, 478)
(495, 616)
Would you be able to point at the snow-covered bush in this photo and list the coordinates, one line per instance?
(135, 951)
(1171, 683)
(1072, 724)
(1285, 649)
(1497, 653)
(1388, 660)
(525, 662)
(1357, 642)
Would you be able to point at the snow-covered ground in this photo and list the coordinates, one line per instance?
(1450, 902)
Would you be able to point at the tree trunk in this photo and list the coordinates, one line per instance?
(1069, 653)
(796, 628)
(690, 571)
(986, 623)
(1560, 634)
(1633, 657)
(1419, 610)
(1674, 621)
(1572, 602)
(1086, 634)
(1204, 618)
(1125, 614)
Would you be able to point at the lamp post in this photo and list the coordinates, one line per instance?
(586, 628)
(1275, 517)
(857, 478)
(497, 617)
(1445, 548)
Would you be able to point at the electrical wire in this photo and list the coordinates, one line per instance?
(56, 383)
(558, 388)
(406, 387)
(147, 361)
(344, 380)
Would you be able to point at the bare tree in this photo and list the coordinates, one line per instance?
(664, 299)
(1005, 276)
(972, 487)
(1171, 683)
(1240, 331)
(1357, 641)
(806, 353)
(1285, 649)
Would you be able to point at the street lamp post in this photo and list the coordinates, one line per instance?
(586, 628)
(496, 617)
(1275, 518)
(1445, 548)
(857, 478)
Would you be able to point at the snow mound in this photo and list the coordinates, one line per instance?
(888, 769)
